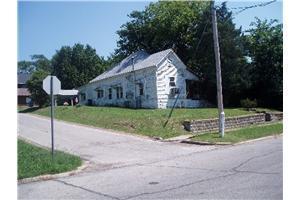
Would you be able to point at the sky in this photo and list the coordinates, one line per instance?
(44, 27)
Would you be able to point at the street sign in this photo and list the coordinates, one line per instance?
(47, 85)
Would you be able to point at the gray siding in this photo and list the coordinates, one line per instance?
(171, 66)
(146, 77)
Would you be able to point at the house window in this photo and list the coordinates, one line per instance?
(109, 93)
(100, 94)
(172, 82)
(173, 92)
(141, 89)
(119, 92)
(83, 96)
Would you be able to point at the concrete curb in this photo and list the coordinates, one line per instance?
(178, 138)
(55, 176)
(258, 139)
(189, 141)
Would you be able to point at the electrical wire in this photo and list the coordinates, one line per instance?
(242, 9)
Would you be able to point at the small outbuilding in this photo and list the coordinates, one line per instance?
(141, 80)
(23, 92)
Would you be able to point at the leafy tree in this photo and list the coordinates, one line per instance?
(41, 62)
(39, 66)
(38, 95)
(37, 62)
(25, 66)
(264, 46)
(77, 65)
(185, 26)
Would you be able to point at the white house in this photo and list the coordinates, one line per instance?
(141, 80)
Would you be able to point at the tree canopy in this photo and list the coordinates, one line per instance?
(77, 65)
(37, 62)
(73, 66)
(264, 45)
(185, 26)
(34, 84)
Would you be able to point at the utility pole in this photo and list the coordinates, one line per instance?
(134, 78)
(218, 70)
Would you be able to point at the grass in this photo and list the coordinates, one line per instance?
(34, 161)
(149, 122)
(21, 108)
(243, 134)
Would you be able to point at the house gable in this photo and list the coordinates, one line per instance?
(171, 76)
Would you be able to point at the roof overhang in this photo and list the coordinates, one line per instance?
(68, 92)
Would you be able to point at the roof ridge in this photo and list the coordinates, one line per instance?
(122, 67)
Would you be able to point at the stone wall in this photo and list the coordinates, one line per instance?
(209, 125)
(274, 116)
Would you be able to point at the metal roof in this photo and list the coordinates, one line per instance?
(141, 60)
(23, 78)
(23, 92)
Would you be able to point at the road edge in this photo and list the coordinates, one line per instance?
(55, 176)
(189, 141)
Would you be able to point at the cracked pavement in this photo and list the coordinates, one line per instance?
(130, 167)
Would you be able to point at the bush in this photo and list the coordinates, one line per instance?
(35, 87)
(249, 104)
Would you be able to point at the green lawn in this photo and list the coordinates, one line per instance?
(147, 122)
(34, 161)
(22, 108)
(243, 134)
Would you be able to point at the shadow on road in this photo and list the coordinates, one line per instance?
(29, 110)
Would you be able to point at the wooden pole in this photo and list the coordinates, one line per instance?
(218, 71)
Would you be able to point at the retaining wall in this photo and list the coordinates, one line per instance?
(209, 125)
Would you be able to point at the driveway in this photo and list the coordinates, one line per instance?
(131, 167)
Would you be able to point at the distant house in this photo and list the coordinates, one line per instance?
(141, 80)
(23, 93)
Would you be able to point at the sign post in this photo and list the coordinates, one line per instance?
(52, 115)
(52, 86)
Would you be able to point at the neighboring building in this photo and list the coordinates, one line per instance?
(23, 93)
(144, 81)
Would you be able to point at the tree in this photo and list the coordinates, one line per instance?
(77, 65)
(25, 66)
(34, 84)
(186, 27)
(37, 62)
(41, 62)
(264, 46)
(39, 66)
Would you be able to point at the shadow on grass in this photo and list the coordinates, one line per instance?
(29, 110)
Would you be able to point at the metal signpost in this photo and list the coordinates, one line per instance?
(52, 86)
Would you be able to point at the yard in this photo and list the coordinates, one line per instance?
(35, 161)
(148, 122)
(235, 136)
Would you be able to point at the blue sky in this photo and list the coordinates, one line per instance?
(43, 27)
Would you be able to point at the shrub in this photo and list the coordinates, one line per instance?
(249, 104)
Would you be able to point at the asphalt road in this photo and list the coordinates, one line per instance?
(131, 167)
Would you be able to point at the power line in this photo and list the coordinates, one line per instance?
(201, 37)
(242, 9)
